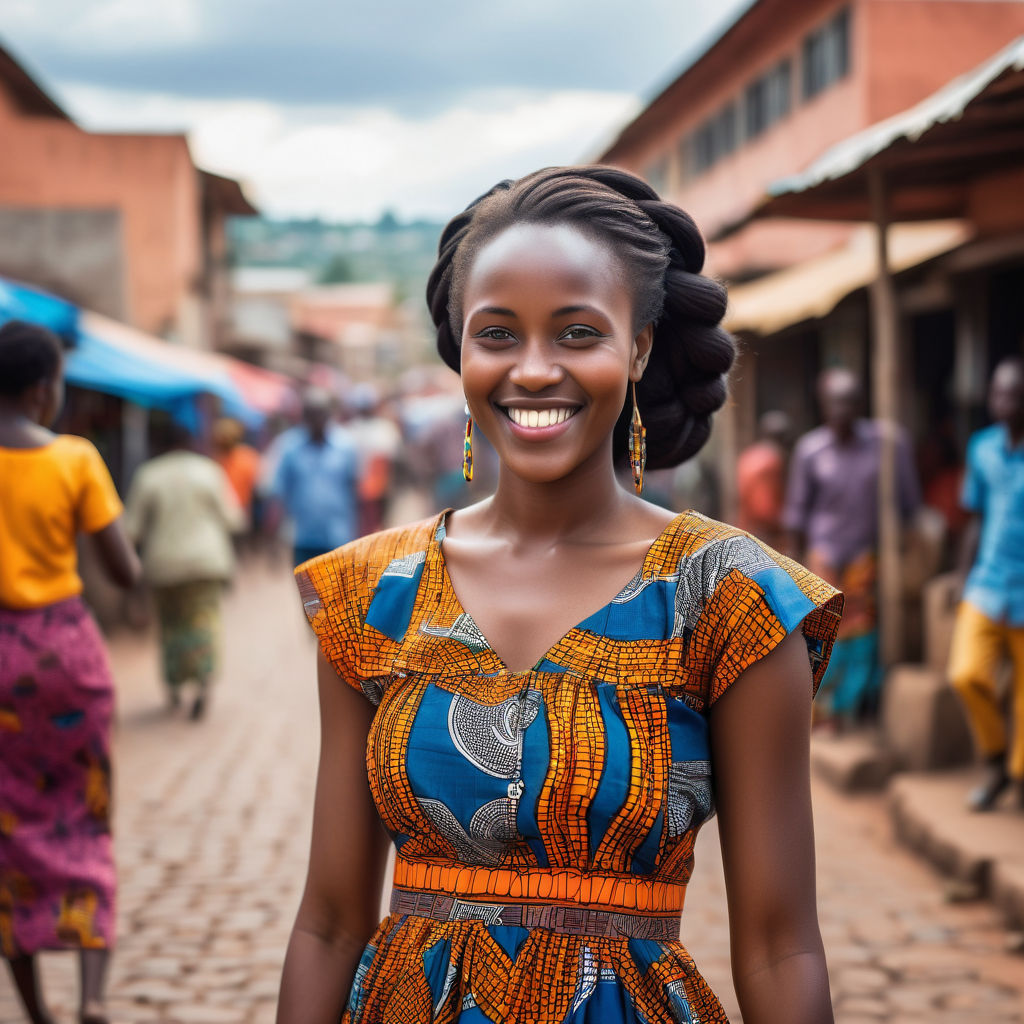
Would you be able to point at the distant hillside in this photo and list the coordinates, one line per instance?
(335, 253)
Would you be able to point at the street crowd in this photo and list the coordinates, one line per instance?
(194, 508)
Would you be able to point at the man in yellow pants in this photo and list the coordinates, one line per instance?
(990, 620)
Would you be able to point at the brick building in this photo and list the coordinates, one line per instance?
(125, 224)
(784, 83)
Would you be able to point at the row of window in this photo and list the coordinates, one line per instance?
(824, 59)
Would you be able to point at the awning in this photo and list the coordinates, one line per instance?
(188, 370)
(99, 366)
(813, 289)
(115, 359)
(264, 389)
(22, 302)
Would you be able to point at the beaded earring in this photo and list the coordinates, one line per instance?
(637, 446)
(467, 450)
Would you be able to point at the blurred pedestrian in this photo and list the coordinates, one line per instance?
(377, 440)
(990, 619)
(831, 515)
(57, 881)
(240, 462)
(316, 481)
(182, 513)
(761, 479)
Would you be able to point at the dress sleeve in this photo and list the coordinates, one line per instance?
(98, 503)
(335, 605)
(757, 604)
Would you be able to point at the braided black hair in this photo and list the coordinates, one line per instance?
(29, 354)
(661, 250)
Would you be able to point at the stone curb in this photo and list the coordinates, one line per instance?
(984, 852)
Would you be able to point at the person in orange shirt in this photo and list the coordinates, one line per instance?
(761, 479)
(240, 462)
(57, 881)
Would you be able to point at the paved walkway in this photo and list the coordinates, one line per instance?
(213, 824)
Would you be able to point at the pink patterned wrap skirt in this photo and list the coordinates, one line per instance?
(57, 880)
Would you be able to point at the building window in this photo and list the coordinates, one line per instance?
(768, 99)
(826, 54)
(715, 139)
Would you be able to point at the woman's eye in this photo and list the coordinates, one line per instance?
(578, 332)
(496, 334)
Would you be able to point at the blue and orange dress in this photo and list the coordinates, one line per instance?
(544, 821)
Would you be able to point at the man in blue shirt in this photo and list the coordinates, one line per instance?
(990, 620)
(316, 481)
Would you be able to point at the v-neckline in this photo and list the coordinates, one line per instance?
(446, 582)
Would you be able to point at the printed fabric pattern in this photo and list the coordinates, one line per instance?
(57, 882)
(550, 815)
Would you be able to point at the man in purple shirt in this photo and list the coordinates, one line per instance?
(831, 519)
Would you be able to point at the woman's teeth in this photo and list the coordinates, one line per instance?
(538, 417)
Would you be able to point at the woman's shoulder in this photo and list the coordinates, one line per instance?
(743, 598)
(73, 451)
(358, 566)
(694, 536)
(708, 555)
(69, 446)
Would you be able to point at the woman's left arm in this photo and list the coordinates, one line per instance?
(760, 735)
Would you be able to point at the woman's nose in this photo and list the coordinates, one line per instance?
(536, 368)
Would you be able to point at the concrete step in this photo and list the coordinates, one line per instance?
(984, 852)
(851, 762)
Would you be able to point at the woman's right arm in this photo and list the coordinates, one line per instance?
(340, 905)
(117, 554)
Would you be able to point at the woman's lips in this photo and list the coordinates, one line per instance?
(539, 424)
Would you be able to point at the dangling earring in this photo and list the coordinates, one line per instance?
(467, 450)
(637, 446)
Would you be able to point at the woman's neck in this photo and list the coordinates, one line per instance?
(579, 506)
(19, 430)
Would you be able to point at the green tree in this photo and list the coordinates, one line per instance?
(338, 270)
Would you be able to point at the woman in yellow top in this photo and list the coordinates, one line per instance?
(56, 697)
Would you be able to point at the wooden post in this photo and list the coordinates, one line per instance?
(885, 385)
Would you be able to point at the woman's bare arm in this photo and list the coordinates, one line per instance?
(117, 555)
(341, 902)
(760, 733)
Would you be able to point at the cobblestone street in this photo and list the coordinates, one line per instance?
(212, 832)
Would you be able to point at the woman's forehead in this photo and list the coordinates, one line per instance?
(549, 257)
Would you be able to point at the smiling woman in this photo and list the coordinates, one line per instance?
(554, 688)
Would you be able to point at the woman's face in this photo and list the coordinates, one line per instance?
(548, 348)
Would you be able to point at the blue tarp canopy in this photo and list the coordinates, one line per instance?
(19, 302)
(112, 367)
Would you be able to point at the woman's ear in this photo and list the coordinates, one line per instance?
(641, 352)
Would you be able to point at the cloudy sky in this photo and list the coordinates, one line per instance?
(345, 109)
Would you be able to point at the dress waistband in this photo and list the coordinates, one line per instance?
(559, 899)
(593, 922)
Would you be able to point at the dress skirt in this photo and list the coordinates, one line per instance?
(57, 879)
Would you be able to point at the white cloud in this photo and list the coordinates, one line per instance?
(350, 162)
(108, 26)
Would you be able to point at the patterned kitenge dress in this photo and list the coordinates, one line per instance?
(545, 821)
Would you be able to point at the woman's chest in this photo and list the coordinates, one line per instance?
(539, 598)
(545, 768)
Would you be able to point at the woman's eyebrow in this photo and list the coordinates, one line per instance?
(493, 311)
(568, 310)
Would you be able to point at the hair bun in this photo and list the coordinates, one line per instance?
(682, 231)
